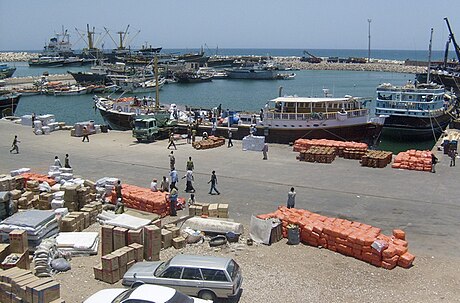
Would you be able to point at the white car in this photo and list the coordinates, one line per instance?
(145, 293)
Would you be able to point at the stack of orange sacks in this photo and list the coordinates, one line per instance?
(305, 144)
(354, 239)
(38, 177)
(144, 199)
(413, 160)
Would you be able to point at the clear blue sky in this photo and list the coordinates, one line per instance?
(336, 24)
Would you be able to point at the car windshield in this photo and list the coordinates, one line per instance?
(124, 295)
(180, 298)
(139, 124)
(233, 269)
(161, 268)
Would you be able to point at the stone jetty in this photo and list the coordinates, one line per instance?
(16, 56)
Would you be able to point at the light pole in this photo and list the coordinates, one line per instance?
(369, 42)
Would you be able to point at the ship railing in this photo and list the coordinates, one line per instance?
(315, 116)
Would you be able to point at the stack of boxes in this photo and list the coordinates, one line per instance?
(71, 197)
(44, 200)
(19, 285)
(80, 220)
(152, 242)
(222, 210)
(177, 241)
(26, 200)
(166, 238)
(209, 210)
(19, 251)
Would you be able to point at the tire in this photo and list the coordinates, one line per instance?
(207, 295)
(217, 241)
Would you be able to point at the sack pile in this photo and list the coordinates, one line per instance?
(413, 160)
(144, 199)
(211, 142)
(354, 239)
(38, 177)
(305, 144)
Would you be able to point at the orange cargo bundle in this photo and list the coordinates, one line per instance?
(305, 144)
(350, 238)
(413, 160)
(38, 177)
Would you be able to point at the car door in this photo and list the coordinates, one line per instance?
(217, 281)
(192, 281)
(171, 277)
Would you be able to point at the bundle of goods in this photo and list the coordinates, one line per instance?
(376, 158)
(39, 224)
(144, 199)
(45, 253)
(354, 239)
(320, 154)
(38, 177)
(78, 243)
(353, 153)
(211, 142)
(305, 144)
(7, 183)
(253, 143)
(413, 160)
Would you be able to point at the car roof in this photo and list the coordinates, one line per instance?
(154, 293)
(200, 261)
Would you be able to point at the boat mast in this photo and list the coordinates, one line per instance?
(157, 88)
(429, 58)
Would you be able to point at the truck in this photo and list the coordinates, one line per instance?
(151, 127)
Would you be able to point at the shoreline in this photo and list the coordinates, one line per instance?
(294, 63)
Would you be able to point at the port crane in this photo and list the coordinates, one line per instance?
(454, 42)
(311, 58)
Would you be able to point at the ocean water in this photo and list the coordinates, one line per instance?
(239, 95)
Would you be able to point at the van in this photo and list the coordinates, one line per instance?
(205, 277)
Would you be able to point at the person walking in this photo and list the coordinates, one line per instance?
(291, 198)
(174, 178)
(15, 145)
(189, 134)
(213, 182)
(66, 161)
(164, 186)
(265, 151)
(452, 155)
(230, 135)
(191, 200)
(171, 140)
(190, 165)
(173, 201)
(434, 160)
(193, 135)
(189, 186)
(118, 191)
(57, 162)
(172, 161)
(33, 120)
(85, 134)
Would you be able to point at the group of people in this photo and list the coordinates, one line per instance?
(58, 163)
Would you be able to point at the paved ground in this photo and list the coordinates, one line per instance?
(425, 205)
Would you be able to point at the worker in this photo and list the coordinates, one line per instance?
(119, 207)
(190, 165)
(291, 198)
(189, 186)
(57, 162)
(15, 145)
(66, 161)
(171, 140)
(164, 186)
(154, 185)
(118, 190)
(173, 201)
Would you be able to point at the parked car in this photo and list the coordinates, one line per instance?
(144, 293)
(202, 276)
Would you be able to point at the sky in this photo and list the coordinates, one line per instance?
(299, 24)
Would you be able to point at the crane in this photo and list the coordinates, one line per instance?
(451, 37)
(311, 59)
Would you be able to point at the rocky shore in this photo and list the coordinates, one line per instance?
(376, 65)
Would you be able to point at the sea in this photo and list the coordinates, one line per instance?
(240, 95)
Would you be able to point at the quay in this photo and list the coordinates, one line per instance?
(425, 205)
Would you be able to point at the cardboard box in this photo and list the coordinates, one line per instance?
(123, 269)
(68, 224)
(191, 210)
(198, 210)
(175, 231)
(122, 257)
(138, 251)
(205, 209)
(135, 236)
(166, 238)
(18, 241)
(109, 262)
(19, 287)
(34, 284)
(130, 253)
(213, 212)
(119, 237)
(46, 293)
(107, 239)
(223, 210)
(178, 242)
(152, 242)
(8, 275)
(98, 272)
(130, 263)
(111, 276)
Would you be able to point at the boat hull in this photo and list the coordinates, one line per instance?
(415, 128)
(117, 121)
(8, 104)
(93, 78)
(252, 74)
(6, 73)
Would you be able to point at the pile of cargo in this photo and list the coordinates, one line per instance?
(20, 285)
(354, 239)
(144, 199)
(376, 158)
(319, 154)
(214, 210)
(341, 146)
(353, 153)
(211, 142)
(16, 253)
(413, 160)
(39, 178)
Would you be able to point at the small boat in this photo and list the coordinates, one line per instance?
(6, 71)
(45, 61)
(28, 91)
(255, 72)
(191, 77)
(9, 103)
(70, 91)
(290, 76)
(415, 112)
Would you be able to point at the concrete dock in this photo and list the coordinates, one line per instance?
(424, 204)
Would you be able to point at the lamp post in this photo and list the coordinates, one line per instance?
(369, 42)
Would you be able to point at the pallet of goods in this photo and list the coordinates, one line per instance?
(376, 158)
(341, 146)
(319, 154)
(413, 160)
(211, 142)
(354, 239)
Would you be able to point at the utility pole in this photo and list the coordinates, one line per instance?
(369, 42)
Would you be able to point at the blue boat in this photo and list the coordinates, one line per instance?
(8, 104)
(6, 71)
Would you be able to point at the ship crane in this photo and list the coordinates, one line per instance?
(451, 37)
(311, 59)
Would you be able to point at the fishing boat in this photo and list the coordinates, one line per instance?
(255, 72)
(72, 90)
(9, 103)
(191, 77)
(46, 61)
(6, 71)
(415, 112)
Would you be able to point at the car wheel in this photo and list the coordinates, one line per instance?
(207, 295)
